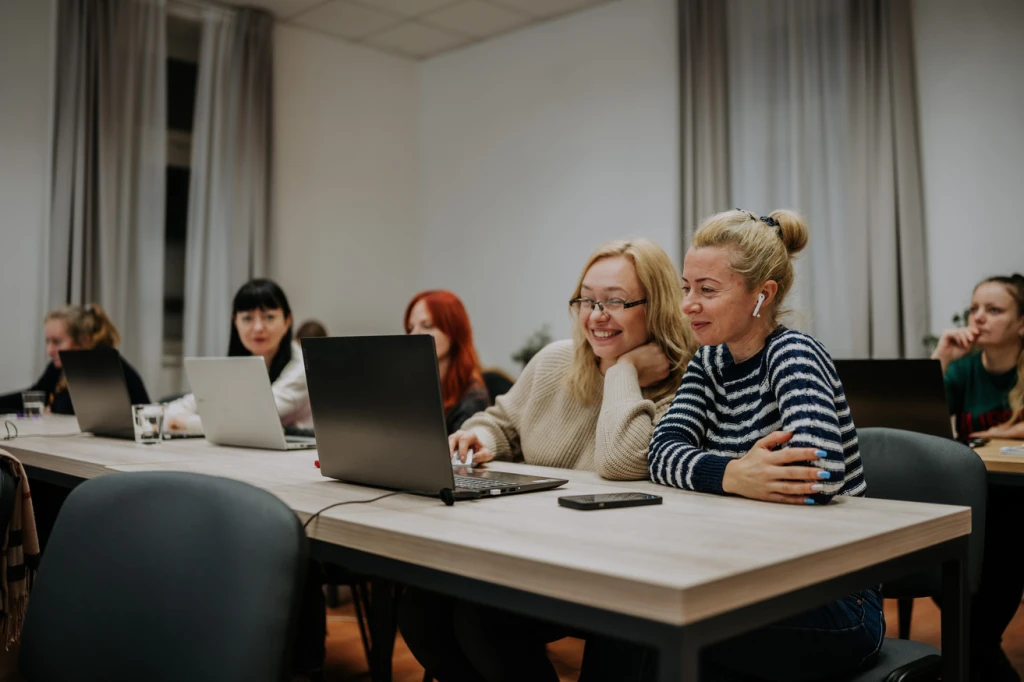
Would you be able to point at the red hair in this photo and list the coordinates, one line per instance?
(449, 315)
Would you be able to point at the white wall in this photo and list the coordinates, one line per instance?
(970, 57)
(344, 218)
(535, 148)
(26, 87)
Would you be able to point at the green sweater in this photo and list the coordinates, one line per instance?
(977, 398)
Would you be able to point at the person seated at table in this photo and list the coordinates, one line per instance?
(74, 327)
(261, 325)
(761, 413)
(442, 315)
(311, 329)
(983, 366)
(589, 403)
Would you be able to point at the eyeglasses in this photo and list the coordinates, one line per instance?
(612, 305)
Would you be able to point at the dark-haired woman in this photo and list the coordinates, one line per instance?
(261, 324)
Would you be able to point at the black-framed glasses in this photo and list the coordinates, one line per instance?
(611, 305)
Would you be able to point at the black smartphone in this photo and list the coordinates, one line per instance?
(608, 500)
(977, 442)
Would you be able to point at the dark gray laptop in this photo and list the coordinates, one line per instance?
(99, 391)
(379, 419)
(898, 394)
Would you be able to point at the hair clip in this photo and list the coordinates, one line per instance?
(769, 221)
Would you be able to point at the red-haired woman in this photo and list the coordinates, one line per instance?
(442, 315)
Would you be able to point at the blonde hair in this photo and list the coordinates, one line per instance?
(1015, 287)
(762, 249)
(666, 324)
(88, 326)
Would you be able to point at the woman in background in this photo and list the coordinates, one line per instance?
(983, 366)
(442, 315)
(311, 329)
(261, 325)
(75, 327)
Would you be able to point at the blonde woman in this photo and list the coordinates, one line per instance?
(590, 403)
(761, 414)
(74, 327)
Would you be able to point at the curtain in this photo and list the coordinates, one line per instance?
(821, 118)
(229, 191)
(110, 138)
(703, 105)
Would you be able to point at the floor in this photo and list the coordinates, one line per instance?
(346, 663)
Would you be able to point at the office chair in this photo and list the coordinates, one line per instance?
(901, 465)
(166, 577)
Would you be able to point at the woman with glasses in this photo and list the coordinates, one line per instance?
(261, 325)
(589, 403)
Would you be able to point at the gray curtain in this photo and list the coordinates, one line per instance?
(229, 194)
(821, 118)
(110, 140)
(703, 106)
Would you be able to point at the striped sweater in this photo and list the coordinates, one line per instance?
(722, 409)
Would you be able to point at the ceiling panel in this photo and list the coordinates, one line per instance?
(416, 40)
(407, 8)
(476, 18)
(545, 8)
(347, 20)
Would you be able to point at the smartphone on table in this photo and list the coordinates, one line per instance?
(608, 500)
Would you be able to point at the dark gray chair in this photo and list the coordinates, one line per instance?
(902, 465)
(166, 577)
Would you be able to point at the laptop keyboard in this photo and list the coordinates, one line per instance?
(472, 483)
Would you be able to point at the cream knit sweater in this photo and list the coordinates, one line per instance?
(540, 422)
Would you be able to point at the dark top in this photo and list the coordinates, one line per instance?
(474, 400)
(977, 398)
(60, 401)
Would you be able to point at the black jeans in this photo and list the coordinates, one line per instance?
(457, 641)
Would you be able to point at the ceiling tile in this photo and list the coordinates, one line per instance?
(407, 8)
(476, 18)
(347, 20)
(546, 8)
(283, 9)
(415, 40)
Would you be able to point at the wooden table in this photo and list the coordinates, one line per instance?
(678, 577)
(1002, 468)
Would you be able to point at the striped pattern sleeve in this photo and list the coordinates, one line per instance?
(675, 456)
(804, 382)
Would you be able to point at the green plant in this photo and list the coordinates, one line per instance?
(959, 320)
(540, 338)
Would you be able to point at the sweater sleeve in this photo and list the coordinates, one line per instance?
(799, 376)
(290, 391)
(625, 426)
(676, 457)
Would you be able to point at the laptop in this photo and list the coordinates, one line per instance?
(380, 421)
(236, 404)
(898, 394)
(99, 392)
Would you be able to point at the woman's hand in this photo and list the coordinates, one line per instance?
(954, 344)
(762, 474)
(650, 362)
(461, 442)
(1001, 431)
(177, 425)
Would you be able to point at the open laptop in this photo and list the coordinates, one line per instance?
(236, 404)
(380, 421)
(899, 394)
(99, 391)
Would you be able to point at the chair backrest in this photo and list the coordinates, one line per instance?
(166, 576)
(902, 465)
(497, 382)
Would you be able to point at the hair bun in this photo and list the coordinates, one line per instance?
(792, 230)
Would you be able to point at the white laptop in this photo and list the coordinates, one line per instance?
(236, 404)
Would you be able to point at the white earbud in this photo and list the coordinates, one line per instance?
(760, 301)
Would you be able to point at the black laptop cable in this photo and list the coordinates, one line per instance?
(447, 496)
(9, 425)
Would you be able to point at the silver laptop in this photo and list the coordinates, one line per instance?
(237, 405)
(379, 419)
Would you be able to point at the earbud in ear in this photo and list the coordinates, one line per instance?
(760, 302)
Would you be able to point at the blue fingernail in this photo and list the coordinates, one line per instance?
(824, 474)
(808, 500)
(821, 453)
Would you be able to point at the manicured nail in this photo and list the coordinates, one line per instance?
(821, 453)
(808, 500)
(818, 486)
(824, 474)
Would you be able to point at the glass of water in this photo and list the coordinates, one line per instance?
(33, 403)
(149, 423)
